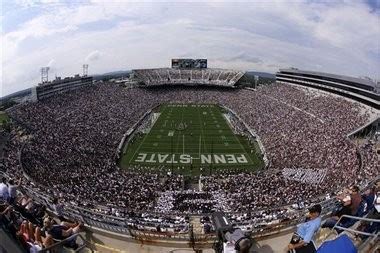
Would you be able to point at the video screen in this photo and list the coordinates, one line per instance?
(189, 63)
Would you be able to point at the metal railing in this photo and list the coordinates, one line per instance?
(352, 230)
(370, 239)
(60, 244)
(87, 214)
(122, 225)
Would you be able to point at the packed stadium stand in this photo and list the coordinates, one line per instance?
(58, 85)
(168, 76)
(64, 149)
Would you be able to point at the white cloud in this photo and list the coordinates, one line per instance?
(341, 38)
(352, 27)
(93, 56)
(51, 63)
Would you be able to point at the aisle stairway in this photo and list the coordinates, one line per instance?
(197, 225)
(8, 244)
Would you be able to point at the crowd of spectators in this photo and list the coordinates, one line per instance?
(29, 222)
(67, 145)
(304, 176)
(370, 162)
(187, 201)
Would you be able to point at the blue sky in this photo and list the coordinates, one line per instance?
(332, 36)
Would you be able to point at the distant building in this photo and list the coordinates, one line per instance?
(17, 97)
(59, 85)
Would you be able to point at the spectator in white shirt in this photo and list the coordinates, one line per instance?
(12, 190)
(4, 189)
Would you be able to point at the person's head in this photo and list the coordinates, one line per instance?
(47, 222)
(11, 182)
(314, 211)
(244, 245)
(354, 189)
(371, 190)
(377, 186)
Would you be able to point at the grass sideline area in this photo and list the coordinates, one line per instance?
(192, 139)
(3, 117)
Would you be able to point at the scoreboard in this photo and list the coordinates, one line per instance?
(189, 63)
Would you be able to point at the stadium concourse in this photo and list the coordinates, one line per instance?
(66, 146)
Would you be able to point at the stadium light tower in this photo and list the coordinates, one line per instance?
(85, 69)
(45, 74)
(256, 80)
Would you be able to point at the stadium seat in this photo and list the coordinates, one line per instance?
(347, 222)
(339, 245)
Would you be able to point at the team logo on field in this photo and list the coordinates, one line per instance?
(187, 159)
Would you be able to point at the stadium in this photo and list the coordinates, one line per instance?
(152, 159)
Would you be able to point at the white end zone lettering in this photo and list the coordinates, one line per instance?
(187, 158)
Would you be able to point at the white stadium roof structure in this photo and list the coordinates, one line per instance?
(358, 89)
(163, 76)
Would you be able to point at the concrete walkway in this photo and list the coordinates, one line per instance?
(276, 244)
(7, 244)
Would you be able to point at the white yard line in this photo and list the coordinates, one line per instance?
(238, 152)
(242, 147)
(201, 123)
(200, 139)
(138, 148)
(183, 144)
(179, 135)
(238, 141)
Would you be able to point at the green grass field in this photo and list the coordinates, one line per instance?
(3, 117)
(191, 139)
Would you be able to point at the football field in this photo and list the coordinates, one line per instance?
(191, 139)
